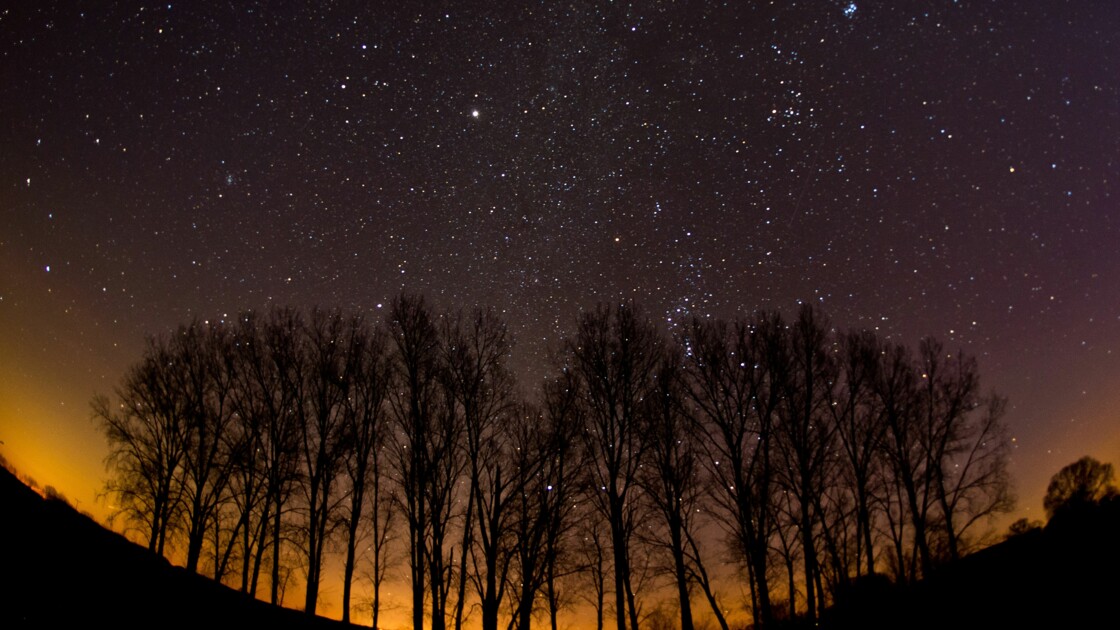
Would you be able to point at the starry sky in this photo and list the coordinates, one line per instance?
(943, 168)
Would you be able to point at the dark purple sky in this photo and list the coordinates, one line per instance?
(920, 168)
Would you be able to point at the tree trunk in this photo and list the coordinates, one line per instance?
(356, 498)
(275, 586)
(675, 527)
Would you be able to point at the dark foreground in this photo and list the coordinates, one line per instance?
(1064, 576)
(63, 570)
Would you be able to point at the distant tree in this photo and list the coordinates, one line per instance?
(51, 493)
(1023, 526)
(1083, 483)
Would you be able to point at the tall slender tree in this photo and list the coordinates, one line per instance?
(806, 433)
(364, 419)
(671, 475)
(415, 404)
(964, 443)
(148, 439)
(859, 430)
(736, 374)
(479, 391)
(206, 380)
(614, 356)
(896, 388)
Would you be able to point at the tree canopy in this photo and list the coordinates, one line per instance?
(1081, 484)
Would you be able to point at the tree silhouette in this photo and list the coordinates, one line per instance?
(805, 434)
(859, 429)
(280, 378)
(822, 456)
(896, 389)
(147, 443)
(479, 392)
(964, 441)
(327, 383)
(266, 464)
(735, 373)
(365, 418)
(670, 479)
(426, 453)
(550, 496)
(204, 382)
(1076, 486)
(614, 357)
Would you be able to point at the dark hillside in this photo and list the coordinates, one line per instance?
(1064, 576)
(62, 569)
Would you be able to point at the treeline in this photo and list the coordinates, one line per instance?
(798, 456)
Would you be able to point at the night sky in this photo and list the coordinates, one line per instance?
(919, 168)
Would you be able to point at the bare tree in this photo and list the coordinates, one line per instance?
(249, 445)
(277, 380)
(594, 551)
(671, 477)
(859, 430)
(529, 440)
(786, 533)
(896, 390)
(147, 438)
(806, 433)
(736, 374)
(614, 355)
(383, 513)
(547, 461)
(263, 442)
(965, 442)
(422, 452)
(365, 416)
(326, 385)
(204, 379)
(479, 389)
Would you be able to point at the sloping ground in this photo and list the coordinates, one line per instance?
(1066, 576)
(62, 570)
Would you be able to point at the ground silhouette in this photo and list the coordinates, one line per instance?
(61, 569)
(1065, 575)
